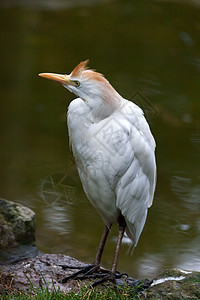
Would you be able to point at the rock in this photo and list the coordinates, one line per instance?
(17, 227)
(17, 224)
(44, 270)
(174, 284)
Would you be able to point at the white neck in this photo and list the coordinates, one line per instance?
(103, 107)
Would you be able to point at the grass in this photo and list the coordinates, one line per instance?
(48, 291)
(43, 293)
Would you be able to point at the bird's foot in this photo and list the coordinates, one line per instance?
(108, 276)
(91, 271)
(81, 270)
(122, 280)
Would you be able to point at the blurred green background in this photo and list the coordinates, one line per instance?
(148, 46)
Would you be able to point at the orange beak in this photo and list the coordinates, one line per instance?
(63, 79)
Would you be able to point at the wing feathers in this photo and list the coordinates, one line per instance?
(136, 187)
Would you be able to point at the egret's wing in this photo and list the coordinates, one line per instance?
(132, 200)
(132, 168)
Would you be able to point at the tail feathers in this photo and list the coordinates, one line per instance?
(134, 230)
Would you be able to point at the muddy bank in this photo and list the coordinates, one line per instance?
(39, 271)
(46, 270)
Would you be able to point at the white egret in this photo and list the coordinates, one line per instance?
(114, 152)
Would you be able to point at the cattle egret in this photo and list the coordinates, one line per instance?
(114, 152)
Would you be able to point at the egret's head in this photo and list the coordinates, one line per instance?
(89, 85)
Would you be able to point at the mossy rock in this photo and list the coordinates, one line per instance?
(175, 284)
(17, 225)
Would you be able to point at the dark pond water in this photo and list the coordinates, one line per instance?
(150, 47)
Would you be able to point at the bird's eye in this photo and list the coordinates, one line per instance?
(76, 83)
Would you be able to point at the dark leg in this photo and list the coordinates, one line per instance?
(101, 246)
(89, 269)
(95, 271)
(112, 274)
(122, 226)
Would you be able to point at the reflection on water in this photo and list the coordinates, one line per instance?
(149, 265)
(149, 49)
(59, 221)
(189, 257)
(188, 190)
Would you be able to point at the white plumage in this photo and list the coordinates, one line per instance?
(113, 148)
(116, 162)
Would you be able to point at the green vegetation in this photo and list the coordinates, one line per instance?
(84, 293)
(12, 288)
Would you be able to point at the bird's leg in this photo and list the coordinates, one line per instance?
(122, 227)
(101, 246)
(89, 269)
(112, 274)
(96, 270)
